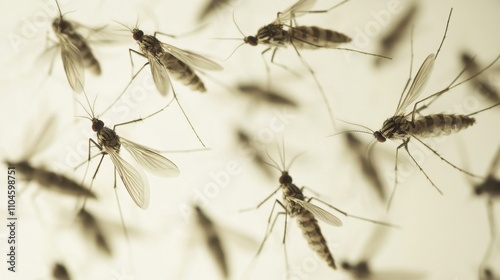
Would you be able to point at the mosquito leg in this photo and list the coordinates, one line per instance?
(262, 202)
(125, 231)
(491, 219)
(395, 174)
(322, 92)
(419, 167)
(411, 68)
(266, 65)
(287, 264)
(144, 118)
(445, 160)
(273, 56)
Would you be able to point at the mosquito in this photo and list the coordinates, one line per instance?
(60, 272)
(213, 240)
(166, 60)
(490, 188)
(109, 143)
(210, 7)
(394, 35)
(274, 36)
(76, 54)
(366, 163)
(486, 89)
(94, 231)
(271, 97)
(48, 179)
(248, 147)
(297, 205)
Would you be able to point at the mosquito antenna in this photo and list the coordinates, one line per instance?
(369, 148)
(358, 125)
(59, 8)
(445, 32)
(283, 151)
(234, 20)
(234, 50)
(128, 28)
(88, 103)
(275, 164)
(293, 160)
(350, 131)
(85, 109)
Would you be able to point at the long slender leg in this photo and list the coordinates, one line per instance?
(425, 174)
(395, 175)
(260, 204)
(273, 56)
(491, 219)
(287, 264)
(144, 118)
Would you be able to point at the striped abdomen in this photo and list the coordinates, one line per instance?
(440, 124)
(182, 72)
(311, 37)
(311, 231)
(89, 60)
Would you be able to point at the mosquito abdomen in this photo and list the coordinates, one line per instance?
(440, 124)
(311, 37)
(182, 72)
(311, 231)
(89, 60)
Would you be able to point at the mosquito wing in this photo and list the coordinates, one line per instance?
(160, 75)
(300, 6)
(136, 185)
(318, 212)
(151, 160)
(418, 84)
(73, 64)
(192, 59)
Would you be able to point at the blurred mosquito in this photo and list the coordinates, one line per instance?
(274, 36)
(395, 34)
(297, 205)
(402, 126)
(93, 230)
(485, 88)
(369, 171)
(213, 240)
(259, 94)
(109, 143)
(47, 179)
(75, 52)
(166, 60)
(490, 188)
(60, 272)
(210, 7)
(249, 148)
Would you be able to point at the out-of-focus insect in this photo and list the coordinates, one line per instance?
(402, 126)
(75, 52)
(210, 7)
(367, 166)
(274, 36)
(249, 148)
(395, 34)
(93, 231)
(260, 94)
(47, 179)
(297, 205)
(213, 240)
(109, 143)
(490, 188)
(60, 272)
(485, 88)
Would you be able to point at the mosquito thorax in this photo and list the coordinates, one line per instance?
(251, 40)
(137, 34)
(97, 125)
(285, 178)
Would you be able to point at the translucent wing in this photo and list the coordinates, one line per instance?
(418, 84)
(300, 6)
(151, 160)
(136, 185)
(73, 64)
(318, 212)
(192, 59)
(160, 75)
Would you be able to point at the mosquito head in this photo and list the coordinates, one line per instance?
(59, 25)
(285, 178)
(137, 34)
(97, 124)
(251, 40)
(378, 135)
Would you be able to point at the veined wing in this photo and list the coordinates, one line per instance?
(300, 6)
(192, 59)
(160, 75)
(73, 64)
(418, 84)
(136, 185)
(318, 212)
(150, 159)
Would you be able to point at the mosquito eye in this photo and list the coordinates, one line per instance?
(379, 136)
(97, 125)
(251, 40)
(138, 34)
